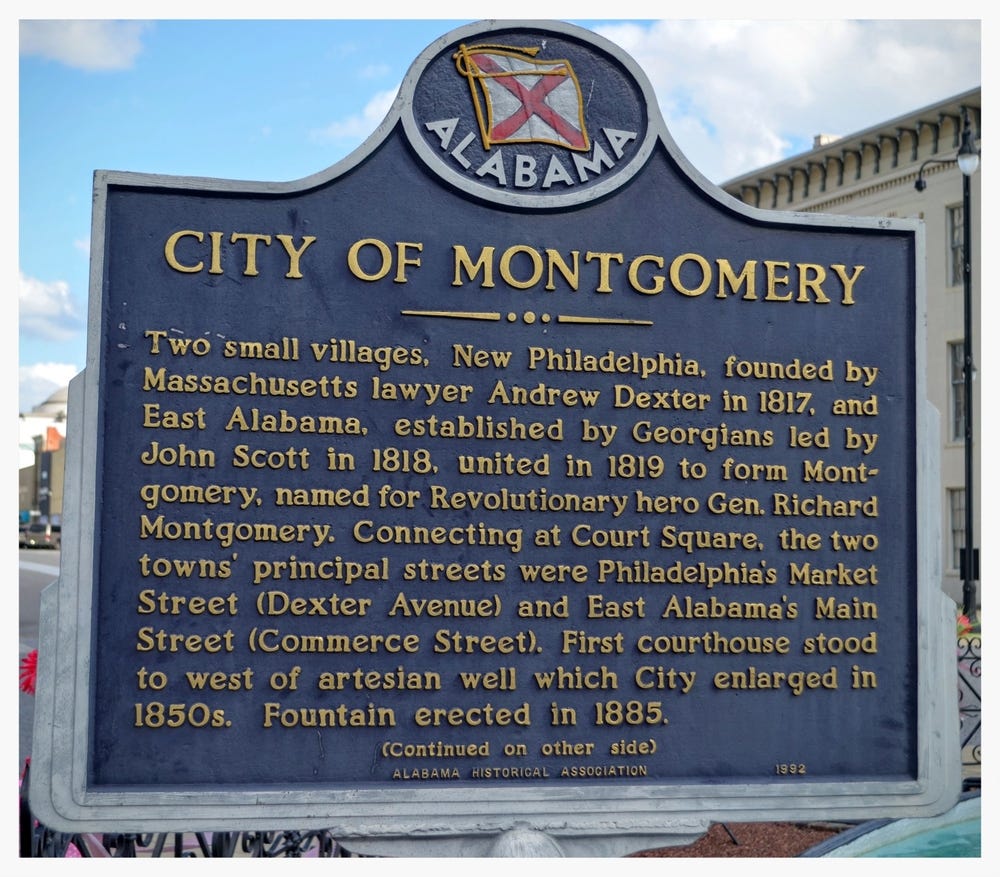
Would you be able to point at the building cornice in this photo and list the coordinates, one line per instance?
(864, 162)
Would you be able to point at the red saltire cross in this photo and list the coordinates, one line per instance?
(532, 103)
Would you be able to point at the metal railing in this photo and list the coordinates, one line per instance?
(970, 704)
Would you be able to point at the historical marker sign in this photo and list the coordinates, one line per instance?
(505, 473)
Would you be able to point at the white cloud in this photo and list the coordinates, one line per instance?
(374, 71)
(47, 310)
(87, 45)
(770, 86)
(360, 125)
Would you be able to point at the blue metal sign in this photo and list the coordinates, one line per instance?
(506, 463)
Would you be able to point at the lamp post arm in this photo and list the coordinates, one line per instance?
(921, 183)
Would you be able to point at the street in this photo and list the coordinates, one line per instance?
(36, 569)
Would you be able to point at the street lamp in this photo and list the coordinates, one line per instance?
(968, 163)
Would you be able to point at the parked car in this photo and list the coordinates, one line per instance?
(22, 536)
(43, 536)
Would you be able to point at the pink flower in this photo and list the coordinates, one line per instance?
(29, 671)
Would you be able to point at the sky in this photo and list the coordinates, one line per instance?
(277, 100)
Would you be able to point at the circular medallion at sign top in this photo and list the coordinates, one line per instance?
(540, 117)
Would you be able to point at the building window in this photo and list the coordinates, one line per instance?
(956, 233)
(956, 505)
(956, 367)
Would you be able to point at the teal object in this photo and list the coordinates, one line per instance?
(954, 834)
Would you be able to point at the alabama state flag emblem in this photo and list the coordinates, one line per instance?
(520, 99)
